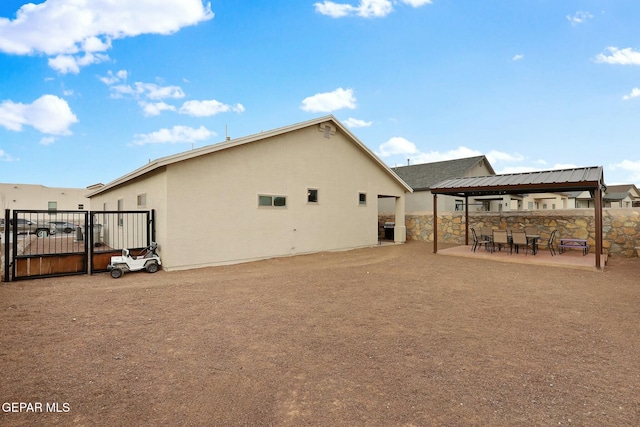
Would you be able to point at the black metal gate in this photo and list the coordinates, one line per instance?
(40, 244)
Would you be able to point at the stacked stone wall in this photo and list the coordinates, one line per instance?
(621, 227)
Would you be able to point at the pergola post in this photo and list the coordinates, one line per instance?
(597, 195)
(435, 223)
(400, 229)
(466, 220)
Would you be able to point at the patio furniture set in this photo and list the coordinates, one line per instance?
(517, 239)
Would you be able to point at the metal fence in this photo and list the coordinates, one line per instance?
(40, 243)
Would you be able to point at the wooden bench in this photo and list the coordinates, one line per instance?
(573, 244)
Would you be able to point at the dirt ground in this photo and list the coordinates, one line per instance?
(385, 336)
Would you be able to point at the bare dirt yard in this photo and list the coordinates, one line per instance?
(385, 336)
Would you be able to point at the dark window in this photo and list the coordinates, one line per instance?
(312, 195)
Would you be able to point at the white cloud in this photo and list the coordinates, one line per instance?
(437, 156)
(579, 18)
(177, 134)
(111, 78)
(47, 140)
(141, 90)
(517, 57)
(397, 145)
(74, 31)
(356, 123)
(617, 56)
(155, 108)
(6, 157)
(71, 64)
(48, 114)
(208, 108)
(635, 93)
(500, 157)
(329, 101)
(631, 167)
(365, 9)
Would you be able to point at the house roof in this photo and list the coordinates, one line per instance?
(577, 179)
(186, 155)
(423, 176)
(619, 192)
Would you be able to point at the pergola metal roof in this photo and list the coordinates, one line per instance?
(577, 179)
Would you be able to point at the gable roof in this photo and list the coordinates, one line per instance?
(577, 179)
(423, 176)
(619, 192)
(186, 155)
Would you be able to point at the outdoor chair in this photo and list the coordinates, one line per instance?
(479, 241)
(519, 238)
(501, 239)
(486, 233)
(549, 243)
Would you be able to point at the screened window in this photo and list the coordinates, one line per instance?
(120, 216)
(53, 206)
(362, 198)
(312, 195)
(142, 200)
(272, 201)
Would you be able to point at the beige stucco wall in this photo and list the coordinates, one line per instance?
(621, 227)
(37, 197)
(153, 185)
(211, 214)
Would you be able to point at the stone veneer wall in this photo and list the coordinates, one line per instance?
(621, 227)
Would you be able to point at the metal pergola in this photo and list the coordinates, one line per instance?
(553, 181)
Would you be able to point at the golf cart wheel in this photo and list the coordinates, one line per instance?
(42, 233)
(116, 273)
(152, 267)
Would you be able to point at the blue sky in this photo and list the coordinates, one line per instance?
(93, 89)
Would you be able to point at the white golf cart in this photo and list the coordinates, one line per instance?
(146, 260)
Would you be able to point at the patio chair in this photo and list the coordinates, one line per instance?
(486, 233)
(479, 241)
(549, 243)
(501, 239)
(519, 238)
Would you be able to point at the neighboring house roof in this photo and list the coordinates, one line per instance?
(582, 179)
(620, 192)
(165, 161)
(423, 176)
(576, 195)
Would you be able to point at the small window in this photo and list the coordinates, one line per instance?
(120, 216)
(327, 131)
(80, 206)
(53, 206)
(312, 195)
(362, 198)
(142, 200)
(272, 201)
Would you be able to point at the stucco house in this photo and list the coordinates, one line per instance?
(30, 196)
(622, 196)
(303, 188)
(422, 176)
